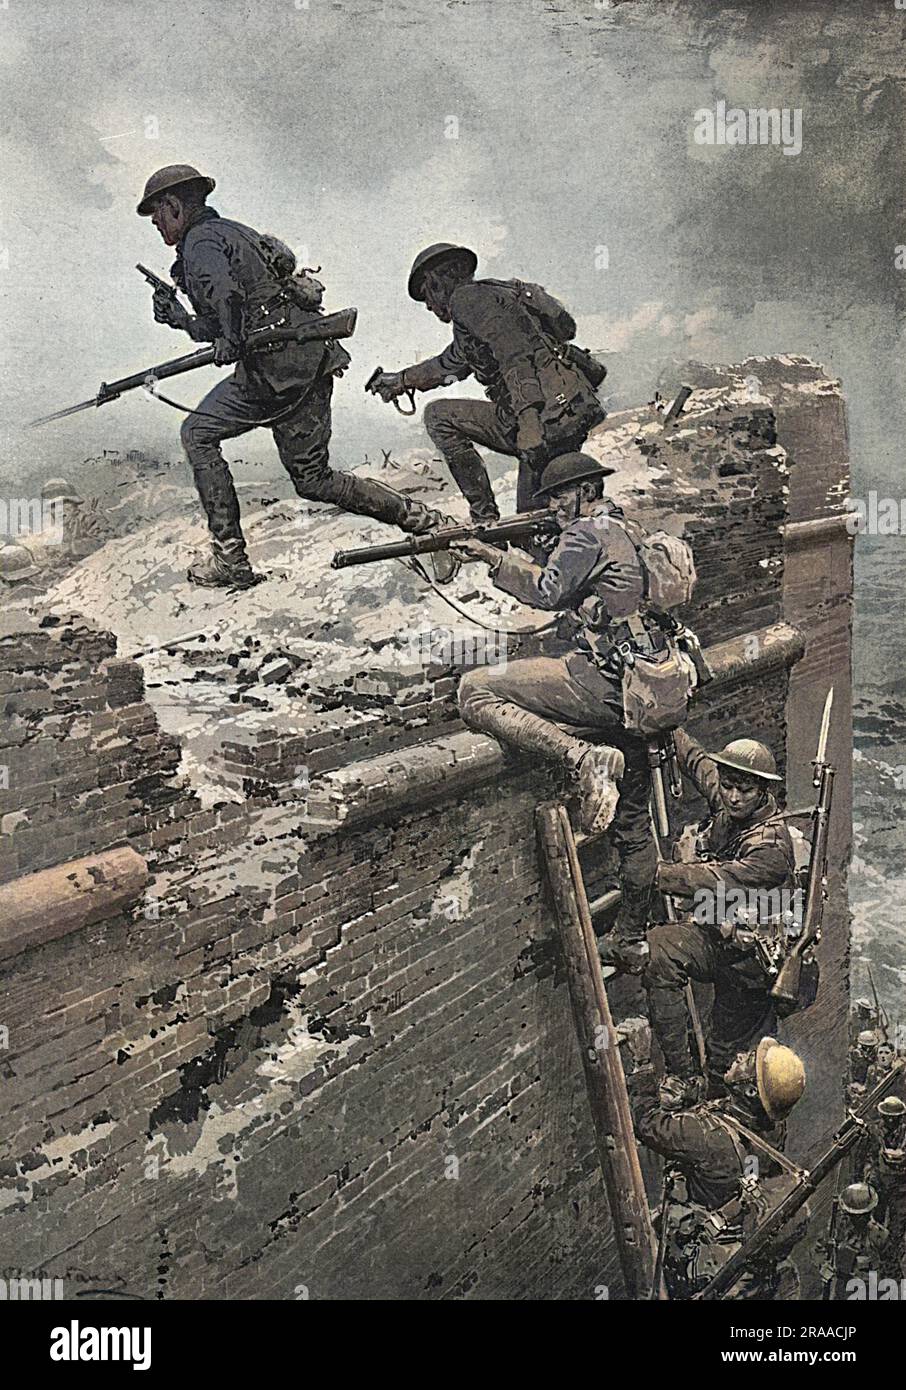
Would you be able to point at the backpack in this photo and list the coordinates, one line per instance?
(557, 324)
(668, 566)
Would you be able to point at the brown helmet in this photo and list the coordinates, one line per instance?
(749, 756)
(59, 490)
(570, 468)
(780, 1077)
(16, 563)
(170, 177)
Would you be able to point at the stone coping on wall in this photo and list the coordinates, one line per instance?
(392, 783)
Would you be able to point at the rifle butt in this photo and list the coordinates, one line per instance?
(323, 326)
(339, 325)
(785, 989)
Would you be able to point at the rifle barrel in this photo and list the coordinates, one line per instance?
(512, 528)
(338, 325)
(843, 1141)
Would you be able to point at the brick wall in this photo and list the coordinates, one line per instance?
(329, 1053)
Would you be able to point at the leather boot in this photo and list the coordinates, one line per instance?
(226, 567)
(599, 774)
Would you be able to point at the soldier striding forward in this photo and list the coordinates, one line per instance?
(241, 283)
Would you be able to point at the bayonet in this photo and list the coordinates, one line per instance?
(821, 754)
(319, 328)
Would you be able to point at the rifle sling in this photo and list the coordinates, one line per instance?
(762, 1144)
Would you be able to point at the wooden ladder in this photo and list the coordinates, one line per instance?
(605, 1081)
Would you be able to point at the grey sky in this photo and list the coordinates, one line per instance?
(328, 125)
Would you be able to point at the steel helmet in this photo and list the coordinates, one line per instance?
(16, 562)
(867, 1039)
(779, 1076)
(430, 257)
(858, 1199)
(171, 176)
(570, 468)
(864, 1006)
(749, 756)
(891, 1108)
(59, 490)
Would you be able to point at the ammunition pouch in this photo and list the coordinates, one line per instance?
(582, 361)
(570, 405)
(768, 944)
(282, 365)
(641, 653)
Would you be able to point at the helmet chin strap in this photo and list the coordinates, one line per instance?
(577, 501)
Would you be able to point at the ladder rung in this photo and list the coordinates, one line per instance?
(581, 841)
(605, 903)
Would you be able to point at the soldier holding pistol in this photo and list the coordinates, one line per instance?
(514, 338)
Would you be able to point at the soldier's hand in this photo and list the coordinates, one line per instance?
(477, 550)
(388, 386)
(636, 1033)
(168, 310)
(224, 353)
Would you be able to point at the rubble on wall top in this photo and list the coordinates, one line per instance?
(312, 646)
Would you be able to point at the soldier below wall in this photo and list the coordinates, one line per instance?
(724, 1166)
(859, 1245)
(745, 845)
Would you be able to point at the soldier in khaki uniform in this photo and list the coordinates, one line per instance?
(863, 1059)
(514, 339)
(724, 1166)
(860, 1242)
(885, 1171)
(240, 284)
(746, 845)
(547, 706)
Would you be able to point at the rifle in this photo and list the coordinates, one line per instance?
(882, 1020)
(785, 990)
(157, 283)
(829, 1287)
(338, 325)
(370, 386)
(515, 528)
(760, 1239)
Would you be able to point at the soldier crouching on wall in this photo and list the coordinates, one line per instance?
(746, 845)
(548, 706)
